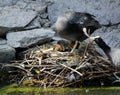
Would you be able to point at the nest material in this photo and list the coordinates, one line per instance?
(44, 67)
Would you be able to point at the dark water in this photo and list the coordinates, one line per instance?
(59, 91)
(84, 92)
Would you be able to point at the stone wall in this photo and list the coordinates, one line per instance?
(26, 22)
(106, 11)
(23, 23)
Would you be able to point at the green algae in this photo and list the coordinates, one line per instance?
(22, 90)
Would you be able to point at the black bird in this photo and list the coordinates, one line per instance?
(75, 26)
(113, 54)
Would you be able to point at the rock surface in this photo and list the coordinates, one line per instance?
(15, 17)
(7, 53)
(110, 35)
(3, 41)
(7, 2)
(105, 10)
(28, 38)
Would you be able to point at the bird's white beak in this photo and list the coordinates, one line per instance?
(85, 32)
(91, 39)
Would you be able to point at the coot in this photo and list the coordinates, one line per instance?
(75, 26)
(113, 54)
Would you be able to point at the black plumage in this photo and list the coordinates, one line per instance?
(70, 25)
(112, 53)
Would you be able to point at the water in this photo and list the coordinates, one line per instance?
(84, 92)
(12, 90)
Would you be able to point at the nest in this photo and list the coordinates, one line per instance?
(44, 67)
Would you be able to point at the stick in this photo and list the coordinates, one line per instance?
(71, 69)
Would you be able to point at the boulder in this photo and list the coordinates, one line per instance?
(110, 35)
(7, 2)
(36, 5)
(7, 53)
(106, 11)
(30, 37)
(3, 41)
(15, 17)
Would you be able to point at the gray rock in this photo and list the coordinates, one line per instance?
(44, 15)
(28, 38)
(118, 26)
(110, 35)
(15, 17)
(45, 23)
(105, 10)
(38, 6)
(21, 4)
(3, 41)
(7, 53)
(34, 23)
(7, 2)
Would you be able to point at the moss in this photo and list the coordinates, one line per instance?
(22, 90)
